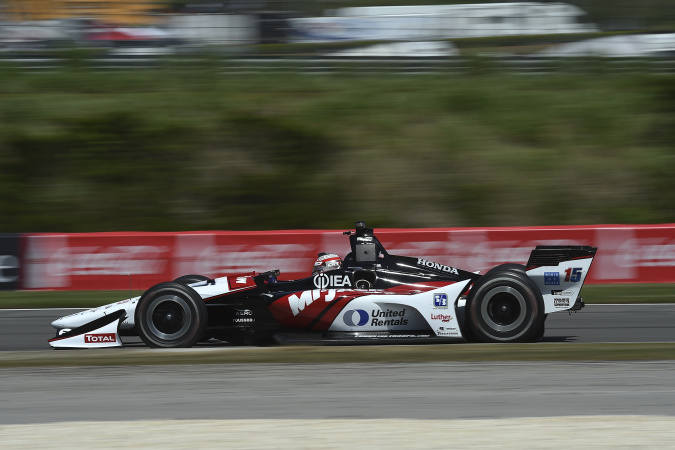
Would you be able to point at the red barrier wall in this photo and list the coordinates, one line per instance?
(627, 254)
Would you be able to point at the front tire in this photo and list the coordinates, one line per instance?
(190, 279)
(171, 315)
(505, 306)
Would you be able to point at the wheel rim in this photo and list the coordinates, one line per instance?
(504, 309)
(168, 317)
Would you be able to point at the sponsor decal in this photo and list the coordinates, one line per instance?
(388, 317)
(443, 317)
(645, 252)
(364, 239)
(99, 338)
(561, 293)
(386, 334)
(323, 281)
(561, 302)
(552, 278)
(241, 280)
(406, 336)
(437, 266)
(440, 300)
(119, 260)
(448, 332)
(243, 316)
(298, 302)
(244, 320)
(573, 274)
(222, 253)
(356, 318)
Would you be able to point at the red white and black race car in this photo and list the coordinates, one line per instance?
(371, 296)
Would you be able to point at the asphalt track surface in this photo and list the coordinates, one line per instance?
(442, 405)
(364, 391)
(26, 330)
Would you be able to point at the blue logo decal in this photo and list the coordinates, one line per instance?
(356, 318)
(552, 278)
(440, 300)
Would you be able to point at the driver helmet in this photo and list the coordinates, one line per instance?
(325, 262)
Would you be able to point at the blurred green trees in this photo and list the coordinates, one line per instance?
(191, 148)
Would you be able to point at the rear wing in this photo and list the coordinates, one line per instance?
(559, 271)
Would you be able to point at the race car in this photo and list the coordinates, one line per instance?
(369, 297)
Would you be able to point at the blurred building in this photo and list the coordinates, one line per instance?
(419, 22)
(122, 12)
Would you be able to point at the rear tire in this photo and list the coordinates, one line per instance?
(506, 268)
(171, 315)
(539, 334)
(505, 305)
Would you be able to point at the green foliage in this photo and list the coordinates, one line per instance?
(94, 172)
(189, 147)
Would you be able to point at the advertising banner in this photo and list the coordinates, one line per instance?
(98, 261)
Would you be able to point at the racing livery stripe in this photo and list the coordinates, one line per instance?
(324, 320)
(323, 312)
(91, 326)
(328, 307)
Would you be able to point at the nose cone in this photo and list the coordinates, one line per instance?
(80, 318)
(77, 319)
(67, 322)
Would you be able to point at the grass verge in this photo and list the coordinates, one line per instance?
(628, 293)
(61, 299)
(592, 294)
(361, 354)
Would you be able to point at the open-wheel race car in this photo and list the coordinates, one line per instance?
(369, 297)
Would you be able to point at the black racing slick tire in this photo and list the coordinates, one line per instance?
(171, 315)
(505, 306)
(506, 267)
(189, 279)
